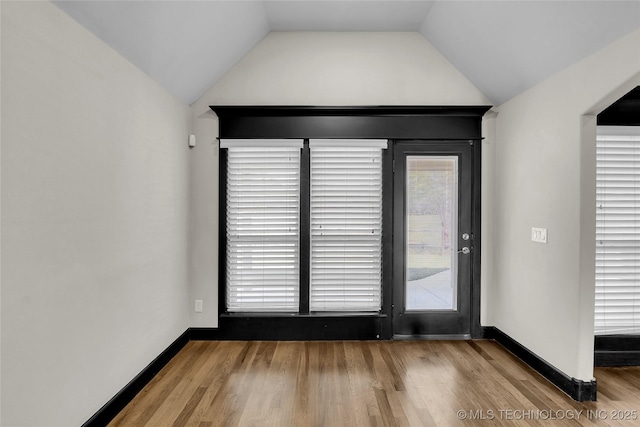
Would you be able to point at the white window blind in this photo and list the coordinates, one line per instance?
(263, 217)
(617, 305)
(346, 225)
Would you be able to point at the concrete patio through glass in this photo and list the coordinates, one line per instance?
(431, 293)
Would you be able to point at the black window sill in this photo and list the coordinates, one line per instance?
(316, 315)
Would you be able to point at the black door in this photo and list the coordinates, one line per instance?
(433, 239)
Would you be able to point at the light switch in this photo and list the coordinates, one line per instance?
(538, 235)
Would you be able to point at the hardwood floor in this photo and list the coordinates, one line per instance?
(369, 383)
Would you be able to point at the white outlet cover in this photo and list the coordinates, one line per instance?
(198, 306)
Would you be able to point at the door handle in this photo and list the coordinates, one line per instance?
(465, 250)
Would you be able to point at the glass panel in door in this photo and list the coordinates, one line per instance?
(431, 233)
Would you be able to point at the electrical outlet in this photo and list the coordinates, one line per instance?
(538, 235)
(198, 307)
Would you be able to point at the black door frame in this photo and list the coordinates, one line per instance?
(439, 323)
(444, 123)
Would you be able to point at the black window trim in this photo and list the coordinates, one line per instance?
(440, 123)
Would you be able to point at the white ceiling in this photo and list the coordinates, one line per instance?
(503, 47)
(354, 15)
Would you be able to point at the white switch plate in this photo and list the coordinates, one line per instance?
(538, 235)
(198, 307)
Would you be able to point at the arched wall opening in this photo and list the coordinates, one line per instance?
(588, 135)
(615, 344)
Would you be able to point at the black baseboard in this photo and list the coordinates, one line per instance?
(124, 396)
(295, 328)
(577, 389)
(617, 350)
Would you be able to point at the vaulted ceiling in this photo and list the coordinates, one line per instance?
(502, 47)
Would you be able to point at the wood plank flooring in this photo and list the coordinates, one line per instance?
(369, 383)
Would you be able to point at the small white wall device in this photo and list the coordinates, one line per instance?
(538, 234)
(192, 141)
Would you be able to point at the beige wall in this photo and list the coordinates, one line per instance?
(294, 68)
(543, 295)
(94, 219)
(308, 69)
(488, 214)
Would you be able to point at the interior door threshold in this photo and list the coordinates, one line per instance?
(441, 337)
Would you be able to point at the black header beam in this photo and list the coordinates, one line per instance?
(396, 122)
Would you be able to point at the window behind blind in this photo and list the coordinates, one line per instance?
(346, 225)
(617, 304)
(263, 225)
